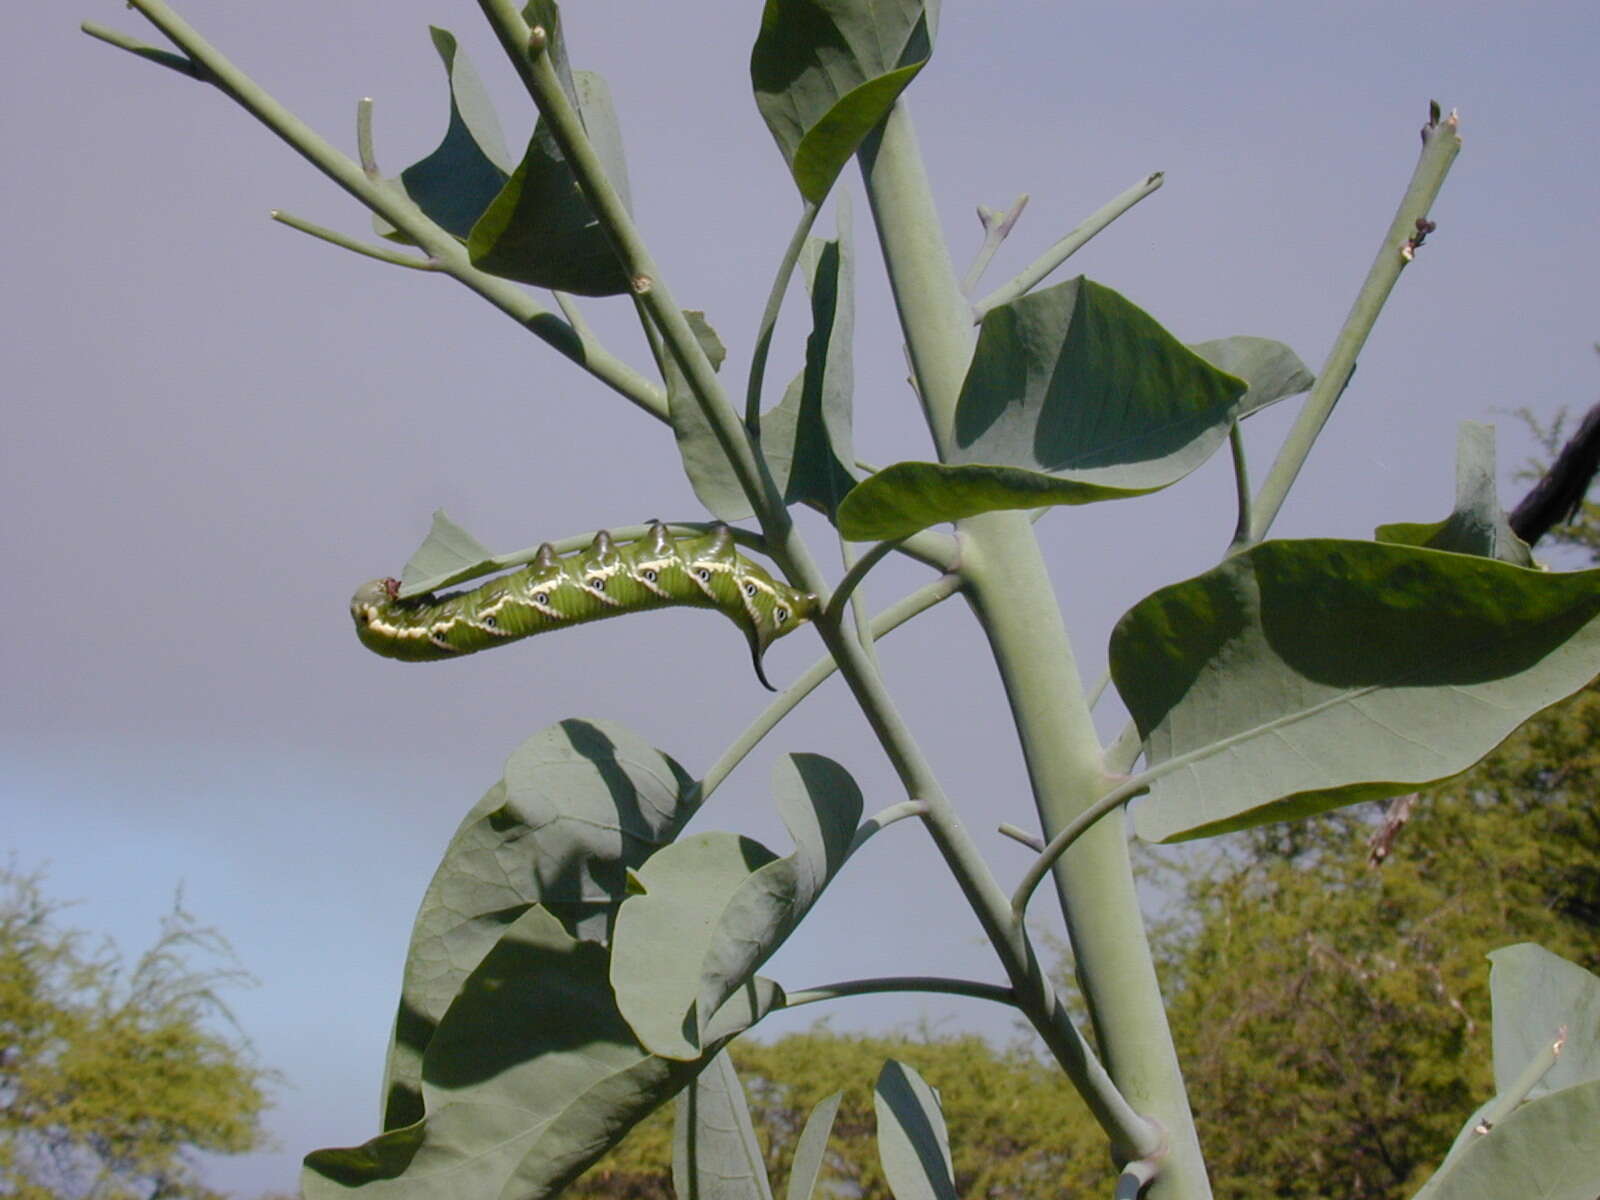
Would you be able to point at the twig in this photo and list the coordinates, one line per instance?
(381, 253)
(902, 983)
(1112, 800)
(1559, 494)
(1052, 258)
(390, 202)
(996, 227)
(1441, 142)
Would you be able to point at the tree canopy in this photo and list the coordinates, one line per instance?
(112, 1077)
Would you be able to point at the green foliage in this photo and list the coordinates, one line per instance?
(1339, 1012)
(111, 1078)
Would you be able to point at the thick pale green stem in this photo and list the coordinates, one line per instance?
(1013, 597)
(1012, 594)
(933, 313)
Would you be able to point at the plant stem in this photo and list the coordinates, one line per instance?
(1034, 272)
(902, 983)
(1059, 845)
(394, 206)
(1441, 141)
(1011, 593)
(996, 228)
(1241, 482)
(769, 317)
(933, 314)
(333, 237)
(857, 572)
(889, 619)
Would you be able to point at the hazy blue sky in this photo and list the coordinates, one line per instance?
(216, 427)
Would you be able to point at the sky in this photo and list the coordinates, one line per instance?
(215, 427)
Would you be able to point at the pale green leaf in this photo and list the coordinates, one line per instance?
(531, 1076)
(810, 1152)
(715, 1153)
(717, 905)
(806, 438)
(579, 804)
(1536, 995)
(1079, 382)
(1273, 371)
(1300, 676)
(825, 73)
(912, 1144)
(1547, 1149)
(905, 497)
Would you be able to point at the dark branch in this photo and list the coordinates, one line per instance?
(1559, 493)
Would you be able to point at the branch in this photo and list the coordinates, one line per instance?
(1111, 801)
(1441, 142)
(1052, 258)
(902, 983)
(996, 227)
(888, 620)
(769, 317)
(387, 200)
(1559, 494)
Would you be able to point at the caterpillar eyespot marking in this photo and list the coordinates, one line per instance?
(604, 580)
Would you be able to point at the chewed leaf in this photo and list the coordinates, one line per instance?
(539, 229)
(826, 74)
(580, 804)
(1478, 525)
(447, 555)
(716, 906)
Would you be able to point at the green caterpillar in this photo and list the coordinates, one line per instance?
(605, 580)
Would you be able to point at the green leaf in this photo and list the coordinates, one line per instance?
(455, 183)
(903, 498)
(912, 1144)
(715, 1154)
(1273, 371)
(1547, 1149)
(539, 229)
(1535, 995)
(447, 555)
(826, 73)
(1077, 381)
(579, 804)
(1478, 525)
(1300, 676)
(531, 1076)
(717, 905)
(810, 1152)
(806, 438)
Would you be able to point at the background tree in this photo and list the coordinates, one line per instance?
(111, 1079)
(1017, 1127)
